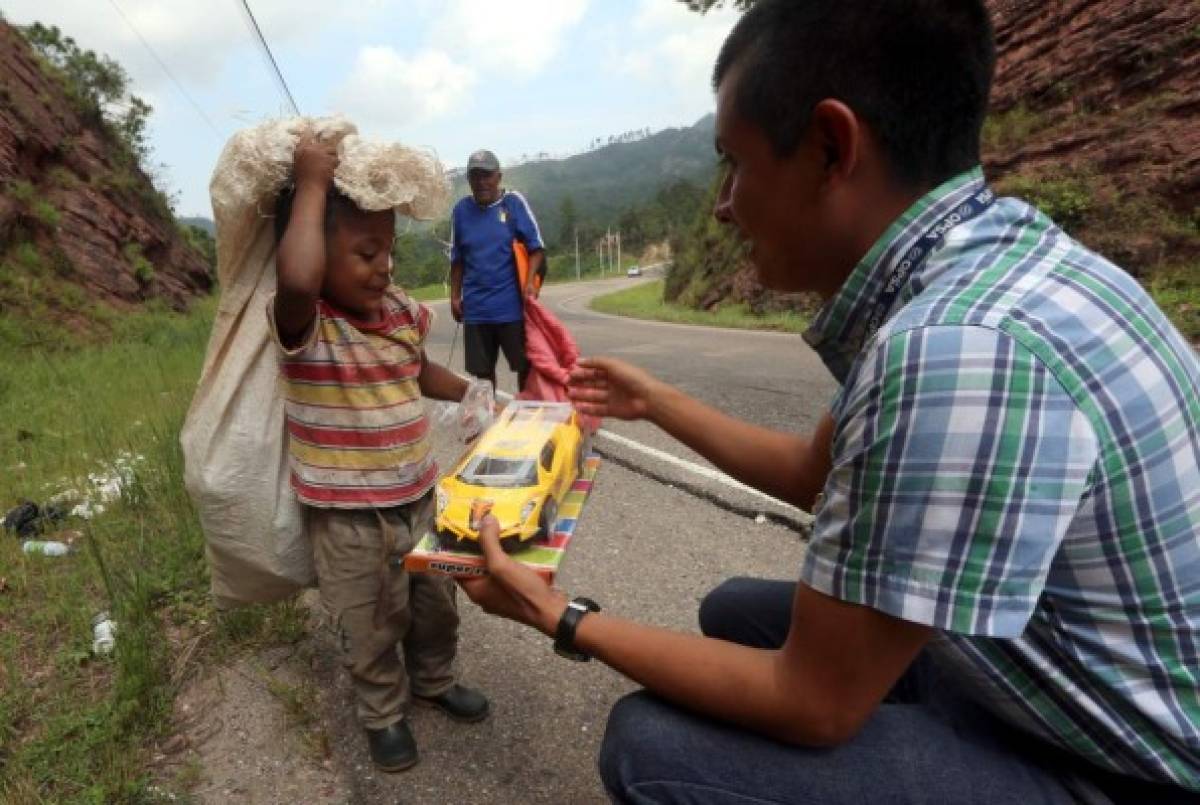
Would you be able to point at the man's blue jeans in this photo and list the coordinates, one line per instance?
(927, 743)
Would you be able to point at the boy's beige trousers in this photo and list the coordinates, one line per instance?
(398, 630)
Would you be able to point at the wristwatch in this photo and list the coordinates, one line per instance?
(564, 635)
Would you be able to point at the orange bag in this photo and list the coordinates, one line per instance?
(521, 256)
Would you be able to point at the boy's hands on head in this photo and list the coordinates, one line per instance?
(607, 387)
(300, 258)
(314, 161)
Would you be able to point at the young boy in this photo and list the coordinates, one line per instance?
(355, 372)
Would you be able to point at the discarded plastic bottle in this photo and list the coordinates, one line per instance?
(104, 634)
(46, 547)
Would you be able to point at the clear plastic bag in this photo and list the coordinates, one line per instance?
(473, 415)
(476, 411)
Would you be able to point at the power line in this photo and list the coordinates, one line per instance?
(270, 58)
(166, 70)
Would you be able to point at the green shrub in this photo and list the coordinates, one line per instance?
(61, 176)
(1008, 130)
(1065, 200)
(26, 196)
(45, 212)
(143, 269)
(27, 256)
(1176, 289)
(21, 192)
(202, 242)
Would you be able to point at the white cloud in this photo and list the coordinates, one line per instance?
(387, 91)
(667, 42)
(519, 36)
(195, 40)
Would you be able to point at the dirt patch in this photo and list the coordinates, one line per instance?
(250, 731)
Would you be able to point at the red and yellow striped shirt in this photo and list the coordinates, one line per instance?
(357, 430)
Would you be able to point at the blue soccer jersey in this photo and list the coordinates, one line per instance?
(481, 239)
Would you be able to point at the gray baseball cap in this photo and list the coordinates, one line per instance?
(483, 160)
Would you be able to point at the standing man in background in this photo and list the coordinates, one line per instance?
(485, 291)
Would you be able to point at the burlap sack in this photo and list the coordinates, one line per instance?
(234, 439)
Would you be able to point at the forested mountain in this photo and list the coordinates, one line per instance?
(647, 188)
(601, 184)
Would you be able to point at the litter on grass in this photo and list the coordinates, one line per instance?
(104, 634)
(85, 499)
(102, 487)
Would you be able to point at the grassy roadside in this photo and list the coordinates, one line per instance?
(644, 301)
(428, 293)
(1176, 292)
(74, 726)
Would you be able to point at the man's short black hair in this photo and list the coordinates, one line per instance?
(337, 205)
(917, 71)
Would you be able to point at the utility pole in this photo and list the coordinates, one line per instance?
(618, 251)
(576, 253)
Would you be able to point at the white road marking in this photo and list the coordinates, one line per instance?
(696, 469)
(704, 472)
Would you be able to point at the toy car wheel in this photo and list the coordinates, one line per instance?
(547, 519)
(447, 541)
(585, 449)
(512, 544)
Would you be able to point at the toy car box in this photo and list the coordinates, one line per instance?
(532, 470)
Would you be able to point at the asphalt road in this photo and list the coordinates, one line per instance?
(646, 550)
(772, 379)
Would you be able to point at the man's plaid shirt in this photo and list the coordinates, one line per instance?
(1015, 463)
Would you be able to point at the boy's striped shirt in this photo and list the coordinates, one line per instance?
(356, 422)
(1017, 464)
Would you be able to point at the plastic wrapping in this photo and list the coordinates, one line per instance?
(532, 470)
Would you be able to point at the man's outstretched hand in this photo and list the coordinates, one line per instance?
(610, 387)
(512, 590)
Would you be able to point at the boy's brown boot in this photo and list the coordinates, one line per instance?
(393, 748)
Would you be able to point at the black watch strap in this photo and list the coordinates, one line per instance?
(564, 635)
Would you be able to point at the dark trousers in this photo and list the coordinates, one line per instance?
(927, 743)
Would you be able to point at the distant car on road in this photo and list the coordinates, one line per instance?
(634, 271)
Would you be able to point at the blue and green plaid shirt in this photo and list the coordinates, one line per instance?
(1015, 463)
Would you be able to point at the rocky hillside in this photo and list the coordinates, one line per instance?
(1096, 114)
(80, 222)
(1096, 119)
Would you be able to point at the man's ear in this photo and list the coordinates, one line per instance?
(839, 135)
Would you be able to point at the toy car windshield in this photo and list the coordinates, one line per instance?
(499, 472)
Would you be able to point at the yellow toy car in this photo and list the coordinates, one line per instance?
(519, 471)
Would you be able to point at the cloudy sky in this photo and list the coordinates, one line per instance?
(516, 76)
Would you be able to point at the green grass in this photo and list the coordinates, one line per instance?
(75, 727)
(1177, 292)
(428, 293)
(644, 301)
(1011, 129)
(1067, 200)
